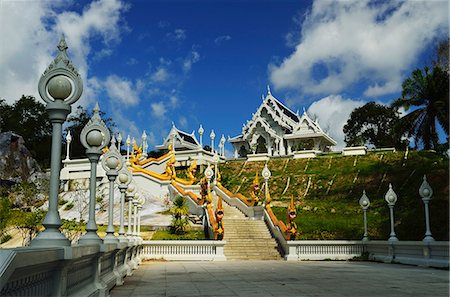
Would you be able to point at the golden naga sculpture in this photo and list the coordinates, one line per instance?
(219, 177)
(219, 230)
(136, 154)
(291, 227)
(203, 189)
(170, 168)
(191, 171)
(254, 189)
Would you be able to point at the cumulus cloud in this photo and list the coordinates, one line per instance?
(176, 35)
(191, 59)
(346, 42)
(160, 75)
(158, 109)
(28, 46)
(332, 112)
(219, 40)
(121, 90)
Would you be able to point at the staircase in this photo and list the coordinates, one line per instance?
(246, 239)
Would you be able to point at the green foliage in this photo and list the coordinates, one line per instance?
(188, 235)
(373, 124)
(179, 212)
(72, 229)
(336, 182)
(28, 223)
(428, 93)
(28, 118)
(69, 206)
(5, 213)
(5, 238)
(76, 123)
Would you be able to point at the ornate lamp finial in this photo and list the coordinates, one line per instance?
(268, 90)
(62, 45)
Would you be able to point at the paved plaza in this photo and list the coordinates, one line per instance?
(279, 278)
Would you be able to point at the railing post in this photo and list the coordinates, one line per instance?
(124, 179)
(130, 194)
(59, 86)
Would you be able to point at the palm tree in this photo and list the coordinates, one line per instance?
(429, 93)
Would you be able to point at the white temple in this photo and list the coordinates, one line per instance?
(275, 130)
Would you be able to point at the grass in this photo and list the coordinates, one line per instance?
(337, 182)
(189, 235)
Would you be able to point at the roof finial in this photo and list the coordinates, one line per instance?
(262, 97)
(304, 110)
(62, 45)
(268, 90)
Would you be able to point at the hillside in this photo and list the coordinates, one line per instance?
(327, 190)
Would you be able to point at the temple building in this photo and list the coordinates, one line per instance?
(275, 130)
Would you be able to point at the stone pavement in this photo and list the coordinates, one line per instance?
(279, 278)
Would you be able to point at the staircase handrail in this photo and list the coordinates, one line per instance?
(239, 196)
(194, 207)
(236, 200)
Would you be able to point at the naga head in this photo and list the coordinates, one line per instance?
(292, 211)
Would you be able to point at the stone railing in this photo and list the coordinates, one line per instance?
(80, 270)
(432, 254)
(253, 212)
(184, 250)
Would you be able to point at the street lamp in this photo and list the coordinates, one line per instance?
(222, 147)
(144, 144)
(111, 162)
(425, 191)
(391, 198)
(59, 86)
(216, 162)
(94, 137)
(365, 203)
(68, 141)
(209, 173)
(266, 174)
(131, 190)
(200, 132)
(124, 180)
(128, 142)
(212, 136)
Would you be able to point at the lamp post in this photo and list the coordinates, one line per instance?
(216, 162)
(200, 132)
(391, 198)
(137, 196)
(128, 142)
(111, 163)
(209, 173)
(222, 145)
(266, 175)
(94, 137)
(365, 203)
(119, 143)
(425, 191)
(130, 194)
(59, 86)
(68, 141)
(124, 179)
(212, 136)
(141, 202)
(144, 144)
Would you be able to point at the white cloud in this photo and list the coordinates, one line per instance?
(158, 109)
(122, 90)
(30, 31)
(183, 122)
(346, 42)
(160, 75)
(332, 113)
(176, 35)
(219, 40)
(191, 59)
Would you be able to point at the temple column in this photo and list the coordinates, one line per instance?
(289, 147)
(235, 151)
(269, 146)
(282, 151)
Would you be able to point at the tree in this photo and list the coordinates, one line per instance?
(427, 92)
(373, 124)
(179, 212)
(28, 223)
(28, 118)
(77, 123)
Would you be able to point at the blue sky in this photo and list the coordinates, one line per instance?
(149, 63)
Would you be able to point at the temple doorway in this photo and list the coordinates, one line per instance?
(261, 145)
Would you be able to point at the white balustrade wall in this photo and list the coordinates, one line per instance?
(185, 250)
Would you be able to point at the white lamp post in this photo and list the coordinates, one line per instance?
(128, 142)
(144, 144)
(216, 162)
(266, 174)
(425, 191)
(111, 163)
(94, 137)
(209, 173)
(119, 143)
(131, 190)
(200, 132)
(365, 203)
(124, 179)
(68, 141)
(137, 196)
(391, 198)
(212, 136)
